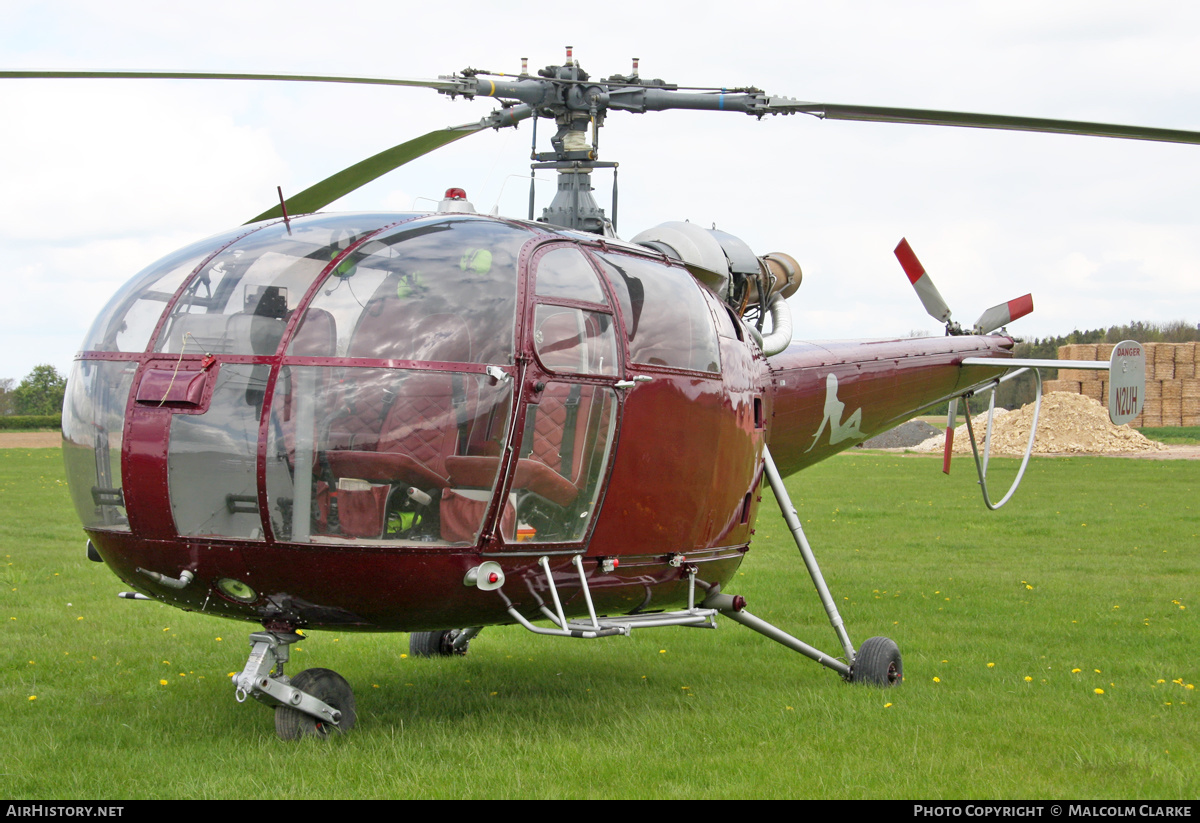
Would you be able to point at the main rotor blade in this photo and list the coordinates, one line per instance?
(930, 117)
(441, 84)
(318, 196)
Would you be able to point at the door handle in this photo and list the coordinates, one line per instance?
(629, 384)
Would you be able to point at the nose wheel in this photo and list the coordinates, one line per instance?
(312, 704)
(330, 688)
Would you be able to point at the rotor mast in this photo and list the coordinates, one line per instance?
(579, 106)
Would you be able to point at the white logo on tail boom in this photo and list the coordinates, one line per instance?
(838, 430)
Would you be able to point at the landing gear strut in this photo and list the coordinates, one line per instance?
(314, 702)
(877, 661)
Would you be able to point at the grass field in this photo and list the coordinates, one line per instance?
(1174, 434)
(1050, 651)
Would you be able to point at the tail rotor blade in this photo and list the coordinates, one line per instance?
(1003, 314)
(931, 299)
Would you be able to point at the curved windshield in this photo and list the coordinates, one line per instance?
(240, 302)
(443, 289)
(127, 321)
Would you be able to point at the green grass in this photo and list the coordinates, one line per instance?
(1093, 566)
(1188, 435)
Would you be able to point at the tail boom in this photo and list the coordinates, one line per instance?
(830, 396)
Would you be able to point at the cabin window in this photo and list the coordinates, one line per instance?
(727, 326)
(212, 457)
(568, 434)
(571, 340)
(666, 318)
(93, 425)
(565, 273)
(384, 456)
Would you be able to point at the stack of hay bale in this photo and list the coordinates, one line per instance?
(1172, 381)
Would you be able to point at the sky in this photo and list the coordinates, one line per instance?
(101, 178)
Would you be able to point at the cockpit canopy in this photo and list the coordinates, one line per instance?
(357, 373)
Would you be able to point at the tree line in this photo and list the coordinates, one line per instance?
(40, 393)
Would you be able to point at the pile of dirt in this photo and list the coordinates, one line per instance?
(1068, 424)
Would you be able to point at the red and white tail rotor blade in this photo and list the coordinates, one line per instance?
(1003, 314)
(931, 299)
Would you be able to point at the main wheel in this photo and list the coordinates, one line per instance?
(878, 663)
(328, 687)
(435, 644)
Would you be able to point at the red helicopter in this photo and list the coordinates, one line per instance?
(436, 422)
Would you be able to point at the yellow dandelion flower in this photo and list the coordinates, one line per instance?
(162, 682)
(1029, 587)
(404, 657)
(1028, 679)
(662, 651)
(1099, 691)
(887, 705)
(1076, 671)
(937, 680)
(991, 665)
(33, 697)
